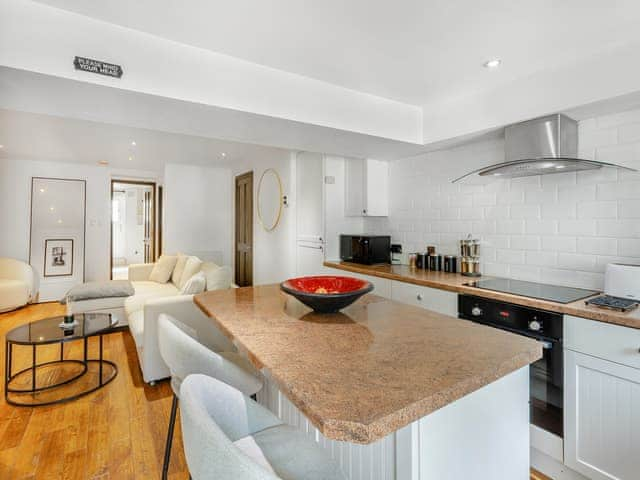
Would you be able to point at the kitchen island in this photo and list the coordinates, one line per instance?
(392, 390)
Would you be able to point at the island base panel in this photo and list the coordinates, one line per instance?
(483, 435)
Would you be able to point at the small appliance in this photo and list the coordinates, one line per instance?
(621, 288)
(365, 249)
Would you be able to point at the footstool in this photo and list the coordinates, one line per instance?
(100, 297)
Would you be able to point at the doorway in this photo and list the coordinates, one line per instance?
(133, 225)
(244, 230)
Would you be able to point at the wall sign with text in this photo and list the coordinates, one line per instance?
(97, 66)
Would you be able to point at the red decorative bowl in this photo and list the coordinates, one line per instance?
(326, 294)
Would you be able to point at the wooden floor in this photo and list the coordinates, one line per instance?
(116, 433)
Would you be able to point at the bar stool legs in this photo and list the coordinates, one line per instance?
(167, 448)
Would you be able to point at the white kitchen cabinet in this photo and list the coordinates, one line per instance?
(441, 301)
(381, 286)
(602, 399)
(366, 187)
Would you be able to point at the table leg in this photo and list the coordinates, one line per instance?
(61, 351)
(85, 349)
(33, 368)
(7, 367)
(100, 361)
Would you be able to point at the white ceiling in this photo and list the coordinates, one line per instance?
(413, 51)
(43, 137)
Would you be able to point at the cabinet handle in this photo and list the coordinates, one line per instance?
(364, 211)
(419, 297)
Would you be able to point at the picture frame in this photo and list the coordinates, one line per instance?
(58, 257)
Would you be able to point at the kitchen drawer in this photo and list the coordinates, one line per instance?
(603, 340)
(440, 301)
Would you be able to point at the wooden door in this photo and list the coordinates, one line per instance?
(244, 230)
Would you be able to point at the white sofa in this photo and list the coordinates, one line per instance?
(150, 300)
(18, 284)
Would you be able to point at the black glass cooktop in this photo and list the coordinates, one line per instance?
(553, 293)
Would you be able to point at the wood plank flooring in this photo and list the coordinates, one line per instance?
(116, 433)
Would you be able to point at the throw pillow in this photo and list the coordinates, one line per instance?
(163, 269)
(193, 266)
(179, 269)
(218, 278)
(196, 284)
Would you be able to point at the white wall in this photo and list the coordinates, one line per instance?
(197, 211)
(15, 199)
(560, 228)
(39, 38)
(273, 252)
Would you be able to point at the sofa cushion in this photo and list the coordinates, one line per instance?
(136, 327)
(179, 268)
(163, 269)
(147, 290)
(99, 290)
(193, 266)
(218, 278)
(196, 284)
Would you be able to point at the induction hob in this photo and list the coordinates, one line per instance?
(541, 291)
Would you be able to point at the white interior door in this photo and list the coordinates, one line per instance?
(309, 258)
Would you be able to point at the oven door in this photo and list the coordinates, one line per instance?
(546, 388)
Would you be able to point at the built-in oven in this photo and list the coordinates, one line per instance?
(546, 375)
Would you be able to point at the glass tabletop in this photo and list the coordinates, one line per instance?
(49, 330)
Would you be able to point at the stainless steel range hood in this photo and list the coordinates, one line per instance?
(541, 146)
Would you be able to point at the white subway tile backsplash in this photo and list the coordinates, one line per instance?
(618, 191)
(605, 209)
(511, 197)
(597, 246)
(629, 247)
(506, 227)
(577, 227)
(629, 209)
(576, 261)
(525, 242)
(543, 259)
(577, 193)
(525, 211)
(541, 227)
(559, 244)
(510, 257)
(561, 228)
(619, 228)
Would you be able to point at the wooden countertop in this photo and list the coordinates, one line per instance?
(455, 282)
(371, 369)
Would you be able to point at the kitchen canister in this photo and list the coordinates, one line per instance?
(450, 263)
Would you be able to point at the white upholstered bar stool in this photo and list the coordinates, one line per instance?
(184, 356)
(227, 436)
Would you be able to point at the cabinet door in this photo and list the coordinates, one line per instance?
(354, 185)
(376, 188)
(602, 418)
(309, 197)
(309, 258)
(440, 301)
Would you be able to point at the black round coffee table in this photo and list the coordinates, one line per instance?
(21, 388)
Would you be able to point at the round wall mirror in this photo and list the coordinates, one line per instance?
(269, 199)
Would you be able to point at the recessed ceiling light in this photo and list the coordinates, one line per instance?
(130, 158)
(561, 166)
(52, 208)
(103, 163)
(224, 154)
(133, 143)
(59, 220)
(42, 190)
(1, 146)
(493, 63)
(548, 165)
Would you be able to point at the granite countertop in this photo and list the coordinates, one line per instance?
(455, 282)
(371, 369)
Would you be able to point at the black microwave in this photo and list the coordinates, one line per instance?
(365, 249)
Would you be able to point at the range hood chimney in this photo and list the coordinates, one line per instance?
(541, 146)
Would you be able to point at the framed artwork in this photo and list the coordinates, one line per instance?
(58, 257)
